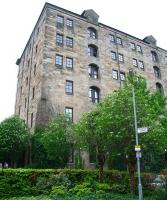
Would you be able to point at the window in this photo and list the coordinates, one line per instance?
(92, 50)
(25, 102)
(92, 33)
(69, 42)
(60, 21)
(120, 57)
(69, 113)
(93, 71)
(35, 68)
(157, 72)
(122, 76)
(113, 55)
(69, 87)
(141, 64)
(59, 60)
(138, 48)
(69, 63)
(94, 94)
(135, 62)
(154, 56)
(119, 40)
(112, 38)
(33, 92)
(159, 87)
(59, 39)
(69, 24)
(114, 74)
(32, 117)
(132, 46)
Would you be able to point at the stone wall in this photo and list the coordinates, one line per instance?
(49, 80)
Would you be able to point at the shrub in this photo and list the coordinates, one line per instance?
(161, 194)
(121, 189)
(23, 182)
(58, 191)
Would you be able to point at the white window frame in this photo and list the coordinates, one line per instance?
(113, 55)
(119, 40)
(69, 113)
(121, 57)
(69, 42)
(138, 48)
(59, 60)
(115, 74)
(132, 46)
(141, 64)
(69, 87)
(135, 64)
(69, 63)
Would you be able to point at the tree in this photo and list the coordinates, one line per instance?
(56, 141)
(89, 133)
(14, 136)
(39, 154)
(110, 126)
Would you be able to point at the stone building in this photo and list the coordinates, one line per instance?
(71, 61)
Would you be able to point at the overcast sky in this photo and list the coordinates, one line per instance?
(139, 18)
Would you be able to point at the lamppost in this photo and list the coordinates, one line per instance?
(137, 146)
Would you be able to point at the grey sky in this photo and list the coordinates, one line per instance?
(17, 19)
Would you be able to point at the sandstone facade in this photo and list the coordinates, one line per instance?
(43, 90)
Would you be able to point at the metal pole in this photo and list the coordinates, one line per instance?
(137, 142)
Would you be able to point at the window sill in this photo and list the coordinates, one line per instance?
(68, 93)
(59, 66)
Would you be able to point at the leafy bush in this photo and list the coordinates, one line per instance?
(121, 189)
(23, 182)
(58, 191)
(161, 194)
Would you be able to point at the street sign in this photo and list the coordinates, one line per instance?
(137, 148)
(138, 154)
(142, 130)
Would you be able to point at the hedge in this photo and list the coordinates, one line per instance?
(24, 182)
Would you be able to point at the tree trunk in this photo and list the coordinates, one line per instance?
(101, 161)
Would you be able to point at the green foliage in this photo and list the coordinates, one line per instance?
(39, 154)
(91, 196)
(102, 186)
(26, 182)
(161, 194)
(80, 189)
(121, 189)
(14, 137)
(58, 191)
(109, 127)
(22, 182)
(29, 198)
(56, 140)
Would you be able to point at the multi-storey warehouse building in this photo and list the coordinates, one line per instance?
(71, 61)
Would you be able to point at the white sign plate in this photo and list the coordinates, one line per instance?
(142, 130)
